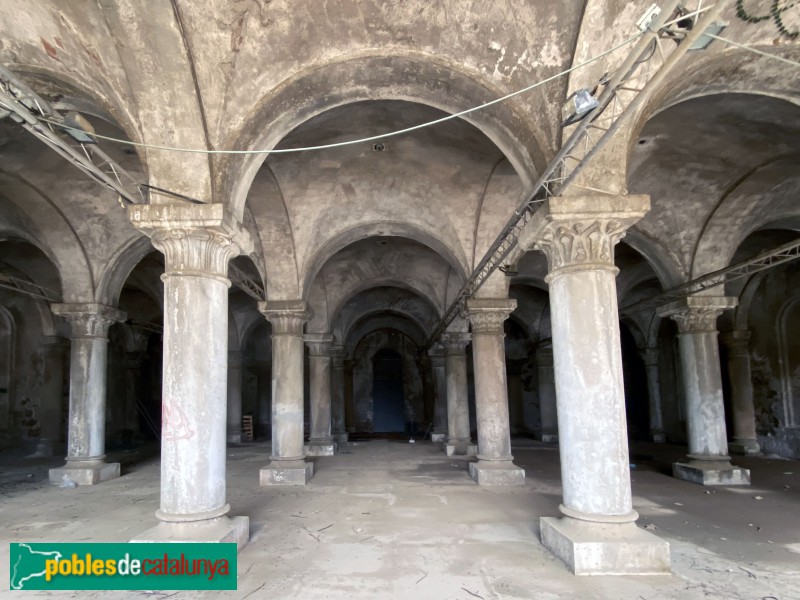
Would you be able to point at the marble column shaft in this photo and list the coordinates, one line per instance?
(234, 406)
(655, 411)
(459, 440)
(320, 441)
(547, 395)
(198, 242)
(494, 466)
(438, 432)
(287, 463)
(737, 345)
(339, 430)
(87, 394)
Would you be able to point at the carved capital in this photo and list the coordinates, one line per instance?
(288, 317)
(455, 343)
(736, 342)
(319, 344)
(487, 315)
(194, 238)
(580, 233)
(436, 353)
(89, 320)
(697, 314)
(650, 357)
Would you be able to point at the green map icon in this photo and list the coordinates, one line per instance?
(28, 564)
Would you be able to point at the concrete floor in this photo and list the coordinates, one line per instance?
(388, 519)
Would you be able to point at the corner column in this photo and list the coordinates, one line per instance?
(650, 356)
(547, 395)
(197, 241)
(320, 442)
(597, 533)
(288, 465)
(234, 417)
(708, 462)
(339, 433)
(494, 466)
(86, 434)
(737, 346)
(438, 433)
(459, 441)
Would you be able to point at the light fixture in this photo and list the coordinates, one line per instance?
(578, 105)
(78, 128)
(509, 270)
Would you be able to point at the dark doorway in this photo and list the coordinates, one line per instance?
(387, 392)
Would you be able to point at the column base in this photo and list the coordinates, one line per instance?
(496, 473)
(85, 473)
(320, 448)
(548, 438)
(341, 438)
(461, 449)
(658, 437)
(234, 438)
(439, 437)
(744, 447)
(224, 529)
(44, 449)
(711, 472)
(603, 548)
(296, 472)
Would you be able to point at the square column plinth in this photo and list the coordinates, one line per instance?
(438, 438)
(341, 438)
(291, 473)
(461, 449)
(590, 548)
(89, 474)
(321, 448)
(711, 472)
(235, 530)
(496, 473)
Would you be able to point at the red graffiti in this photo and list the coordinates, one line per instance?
(175, 424)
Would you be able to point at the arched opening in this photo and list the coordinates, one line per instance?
(388, 392)
(635, 382)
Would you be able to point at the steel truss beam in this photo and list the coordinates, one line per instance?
(632, 83)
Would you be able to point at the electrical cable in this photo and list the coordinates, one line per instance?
(794, 63)
(366, 139)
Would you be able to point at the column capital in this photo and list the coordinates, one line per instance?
(455, 342)
(338, 354)
(544, 356)
(436, 354)
(487, 315)
(319, 344)
(89, 320)
(287, 316)
(196, 239)
(579, 233)
(650, 356)
(736, 342)
(697, 314)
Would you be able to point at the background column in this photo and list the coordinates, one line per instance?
(597, 534)
(650, 356)
(547, 395)
(708, 462)
(737, 349)
(234, 414)
(52, 421)
(494, 466)
(439, 426)
(320, 442)
(337, 394)
(86, 429)
(459, 441)
(197, 241)
(287, 464)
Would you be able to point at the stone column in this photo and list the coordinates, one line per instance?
(86, 435)
(657, 434)
(234, 418)
(264, 399)
(494, 466)
(547, 395)
(52, 410)
(438, 432)
(349, 401)
(320, 441)
(459, 441)
(708, 461)
(287, 464)
(744, 419)
(337, 394)
(597, 534)
(197, 241)
(133, 389)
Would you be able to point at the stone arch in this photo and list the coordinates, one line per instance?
(383, 319)
(116, 272)
(414, 77)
